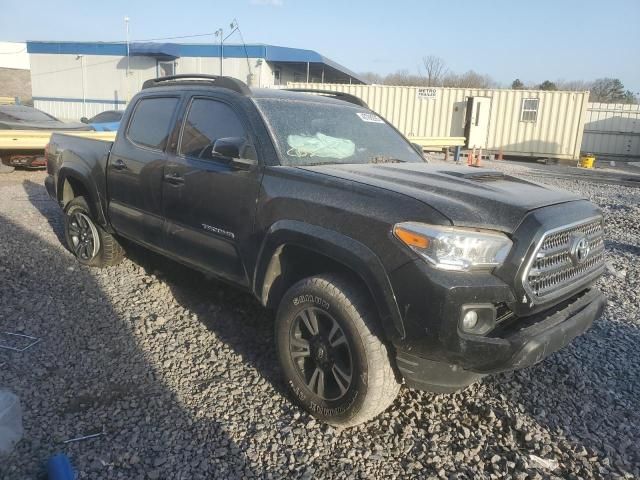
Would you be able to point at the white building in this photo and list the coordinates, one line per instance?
(14, 55)
(75, 79)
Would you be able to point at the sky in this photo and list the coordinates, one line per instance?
(533, 41)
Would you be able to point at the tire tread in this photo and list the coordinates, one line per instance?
(382, 385)
(111, 252)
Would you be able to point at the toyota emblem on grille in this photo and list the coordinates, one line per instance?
(580, 249)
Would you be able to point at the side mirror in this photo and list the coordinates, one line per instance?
(84, 120)
(237, 150)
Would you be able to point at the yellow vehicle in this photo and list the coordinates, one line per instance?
(25, 131)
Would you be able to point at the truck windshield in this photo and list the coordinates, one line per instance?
(314, 133)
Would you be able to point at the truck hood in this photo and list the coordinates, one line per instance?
(472, 197)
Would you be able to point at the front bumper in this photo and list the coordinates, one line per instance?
(536, 337)
(520, 343)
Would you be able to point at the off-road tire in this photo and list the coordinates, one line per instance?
(373, 384)
(109, 251)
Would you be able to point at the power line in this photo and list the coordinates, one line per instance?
(244, 45)
(175, 38)
(195, 35)
(179, 37)
(70, 68)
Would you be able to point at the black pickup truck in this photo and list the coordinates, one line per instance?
(383, 269)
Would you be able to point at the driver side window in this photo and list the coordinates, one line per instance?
(207, 121)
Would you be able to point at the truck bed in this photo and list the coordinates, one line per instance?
(86, 155)
(38, 139)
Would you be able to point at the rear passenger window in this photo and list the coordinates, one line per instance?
(207, 121)
(151, 122)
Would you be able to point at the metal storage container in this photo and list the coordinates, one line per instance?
(612, 131)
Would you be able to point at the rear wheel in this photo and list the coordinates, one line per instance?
(331, 351)
(89, 242)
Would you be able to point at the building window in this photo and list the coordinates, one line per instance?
(276, 77)
(529, 110)
(166, 69)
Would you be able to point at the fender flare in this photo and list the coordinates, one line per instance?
(83, 176)
(345, 250)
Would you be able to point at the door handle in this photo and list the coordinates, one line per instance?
(119, 164)
(174, 179)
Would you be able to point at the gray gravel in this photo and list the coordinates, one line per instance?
(180, 373)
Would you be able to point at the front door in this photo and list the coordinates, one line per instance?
(135, 170)
(477, 121)
(209, 205)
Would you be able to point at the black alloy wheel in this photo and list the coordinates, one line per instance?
(321, 353)
(84, 236)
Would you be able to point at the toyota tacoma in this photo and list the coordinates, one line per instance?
(382, 269)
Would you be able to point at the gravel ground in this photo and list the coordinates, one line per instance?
(180, 374)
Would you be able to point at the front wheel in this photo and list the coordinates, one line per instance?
(331, 351)
(90, 243)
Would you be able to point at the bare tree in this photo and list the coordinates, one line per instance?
(468, 79)
(573, 85)
(372, 77)
(403, 78)
(435, 68)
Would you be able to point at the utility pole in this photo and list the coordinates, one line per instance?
(84, 88)
(220, 33)
(126, 26)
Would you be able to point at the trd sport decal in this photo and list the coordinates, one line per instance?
(219, 231)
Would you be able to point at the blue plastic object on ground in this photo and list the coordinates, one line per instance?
(59, 468)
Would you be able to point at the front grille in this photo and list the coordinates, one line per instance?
(558, 264)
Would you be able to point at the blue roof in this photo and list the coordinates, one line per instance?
(270, 53)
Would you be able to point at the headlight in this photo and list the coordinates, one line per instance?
(455, 248)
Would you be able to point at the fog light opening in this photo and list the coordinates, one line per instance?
(470, 320)
(477, 319)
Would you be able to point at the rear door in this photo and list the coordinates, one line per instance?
(209, 204)
(136, 167)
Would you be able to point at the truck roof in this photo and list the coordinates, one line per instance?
(229, 83)
(322, 96)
